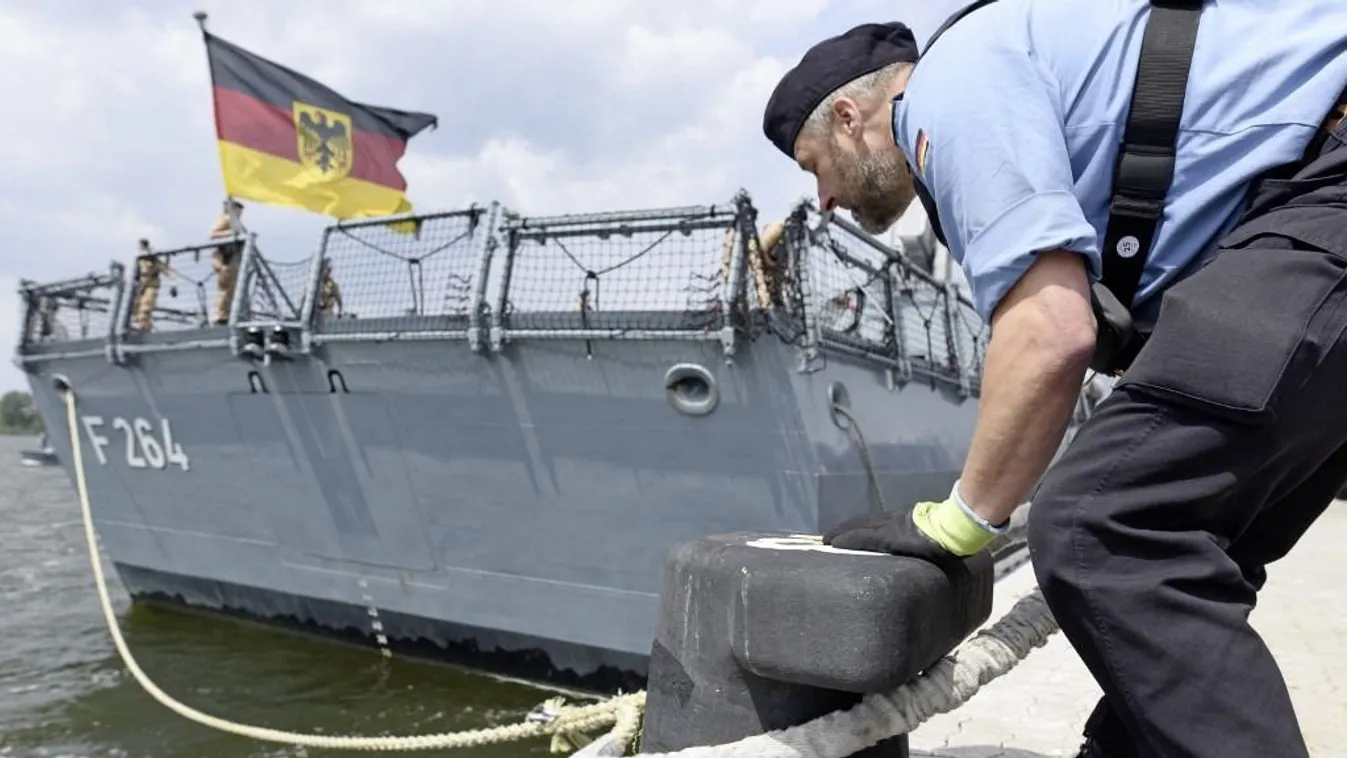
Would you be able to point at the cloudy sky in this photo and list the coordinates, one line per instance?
(548, 107)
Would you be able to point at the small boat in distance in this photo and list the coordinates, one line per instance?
(42, 455)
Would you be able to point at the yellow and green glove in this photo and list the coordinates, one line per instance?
(937, 532)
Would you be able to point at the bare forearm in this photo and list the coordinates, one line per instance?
(1027, 398)
(1036, 360)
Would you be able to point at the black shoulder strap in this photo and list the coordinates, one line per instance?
(1145, 165)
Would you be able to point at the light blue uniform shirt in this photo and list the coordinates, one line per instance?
(1024, 103)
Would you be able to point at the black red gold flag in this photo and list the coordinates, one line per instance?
(286, 139)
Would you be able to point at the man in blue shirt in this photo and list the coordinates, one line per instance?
(1226, 437)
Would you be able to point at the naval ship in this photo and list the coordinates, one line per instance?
(484, 454)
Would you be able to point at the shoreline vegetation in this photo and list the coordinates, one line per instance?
(17, 415)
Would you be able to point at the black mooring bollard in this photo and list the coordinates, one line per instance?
(759, 632)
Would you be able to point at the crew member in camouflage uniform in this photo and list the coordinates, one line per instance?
(329, 293)
(149, 270)
(225, 262)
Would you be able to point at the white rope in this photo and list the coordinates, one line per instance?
(564, 720)
(945, 686)
(614, 744)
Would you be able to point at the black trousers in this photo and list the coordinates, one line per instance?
(1219, 447)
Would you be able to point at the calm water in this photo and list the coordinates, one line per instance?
(65, 692)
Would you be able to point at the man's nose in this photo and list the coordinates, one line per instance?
(827, 202)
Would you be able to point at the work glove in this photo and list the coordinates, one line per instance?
(942, 533)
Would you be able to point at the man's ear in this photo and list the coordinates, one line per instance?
(846, 114)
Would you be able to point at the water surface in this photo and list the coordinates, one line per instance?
(65, 692)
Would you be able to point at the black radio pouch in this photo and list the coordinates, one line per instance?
(1118, 341)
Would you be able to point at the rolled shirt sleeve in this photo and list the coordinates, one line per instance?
(994, 158)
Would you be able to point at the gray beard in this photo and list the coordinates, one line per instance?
(882, 189)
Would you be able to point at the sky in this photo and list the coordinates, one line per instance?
(547, 107)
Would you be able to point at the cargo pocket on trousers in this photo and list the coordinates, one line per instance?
(1239, 335)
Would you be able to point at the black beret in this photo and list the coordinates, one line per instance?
(826, 67)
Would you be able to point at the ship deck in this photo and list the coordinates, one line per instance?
(1037, 709)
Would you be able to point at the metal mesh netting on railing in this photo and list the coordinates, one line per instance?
(970, 334)
(178, 289)
(415, 275)
(70, 310)
(276, 289)
(860, 295)
(624, 274)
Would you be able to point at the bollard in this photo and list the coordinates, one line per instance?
(759, 632)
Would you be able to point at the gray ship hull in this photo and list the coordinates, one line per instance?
(454, 491)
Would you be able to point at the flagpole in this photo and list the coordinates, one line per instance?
(234, 223)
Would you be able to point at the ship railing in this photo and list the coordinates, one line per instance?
(657, 274)
(853, 294)
(273, 290)
(185, 293)
(71, 318)
(405, 277)
(181, 312)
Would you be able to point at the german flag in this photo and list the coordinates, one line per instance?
(288, 140)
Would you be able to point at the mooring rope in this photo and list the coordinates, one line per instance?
(878, 506)
(563, 720)
(944, 687)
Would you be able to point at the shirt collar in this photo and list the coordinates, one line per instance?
(898, 108)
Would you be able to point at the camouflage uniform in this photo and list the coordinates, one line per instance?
(149, 272)
(225, 263)
(329, 295)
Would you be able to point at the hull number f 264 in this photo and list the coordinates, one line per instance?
(147, 445)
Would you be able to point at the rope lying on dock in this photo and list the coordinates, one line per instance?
(944, 687)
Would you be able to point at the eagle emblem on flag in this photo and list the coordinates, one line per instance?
(324, 140)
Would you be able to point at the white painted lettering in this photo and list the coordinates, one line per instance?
(174, 450)
(91, 426)
(154, 455)
(132, 458)
(144, 448)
